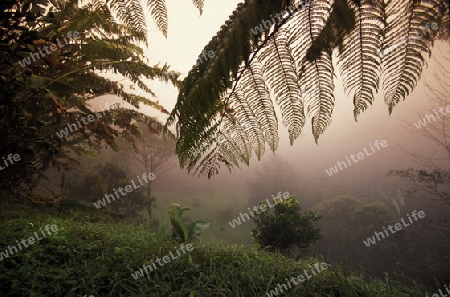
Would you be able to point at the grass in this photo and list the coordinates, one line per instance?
(91, 255)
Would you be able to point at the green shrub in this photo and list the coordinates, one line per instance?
(285, 228)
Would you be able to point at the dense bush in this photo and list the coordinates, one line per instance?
(286, 227)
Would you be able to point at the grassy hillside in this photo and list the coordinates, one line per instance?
(90, 255)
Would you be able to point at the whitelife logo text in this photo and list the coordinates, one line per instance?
(149, 268)
(128, 189)
(10, 160)
(361, 155)
(262, 207)
(11, 250)
(90, 118)
(430, 118)
(281, 288)
(53, 47)
(280, 17)
(380, 235)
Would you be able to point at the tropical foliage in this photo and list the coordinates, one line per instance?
(49, 92)
(229, 108)
(132, 13)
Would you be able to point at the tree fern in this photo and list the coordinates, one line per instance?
(359, 58)
(402, 68)
(282, 77)
(158, 11)
(45, 96)
(288, 66)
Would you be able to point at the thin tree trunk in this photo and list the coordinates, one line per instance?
(149, 201)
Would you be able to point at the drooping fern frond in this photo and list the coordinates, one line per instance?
(406, 34)
(158, 11)
(132, 13)
(300, 40)
(278, 56)
(199, 5)
(360, 64)
(319, 97)
(247, 125)
(258, 97)
(321, 94)
(281, 75)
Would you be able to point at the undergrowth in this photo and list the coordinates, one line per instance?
(91, 255)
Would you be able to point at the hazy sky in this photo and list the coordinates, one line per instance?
(188, 34)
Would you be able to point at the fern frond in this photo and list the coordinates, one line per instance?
(281, 76)
(235, 146)
(191, 149)
(319, 97)
(246, 116)
(263, 62)
(408, 46)
(158, 11)
(316, 75)
(253, 86)
(199, 4)
(210, 165)
(131, 13)
(108, 49)
(359, 59)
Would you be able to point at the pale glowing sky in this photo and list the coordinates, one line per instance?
(188, 34)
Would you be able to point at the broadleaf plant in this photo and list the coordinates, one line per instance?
(181, 230)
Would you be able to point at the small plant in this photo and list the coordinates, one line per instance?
(288, 227)
(181, 230)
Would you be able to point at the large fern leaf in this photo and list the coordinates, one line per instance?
(409, 44)
(132, 14)
(257, 94)
(359, 58)
(265, 62)
(159, 13)
(281, 75)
